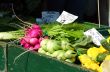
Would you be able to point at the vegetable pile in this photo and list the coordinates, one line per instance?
(67, 43)
(58, 49)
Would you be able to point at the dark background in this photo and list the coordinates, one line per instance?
(85, 9)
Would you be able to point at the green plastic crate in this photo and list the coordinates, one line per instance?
(2, 58)
(35, 62)
(19, 65)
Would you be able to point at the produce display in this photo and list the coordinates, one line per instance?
(67, 43)
(64, 42)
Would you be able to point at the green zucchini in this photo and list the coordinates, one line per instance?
(102, 56)
(81, 51)
(105, 44)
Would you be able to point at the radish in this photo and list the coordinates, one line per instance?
(32, 37)
(40, 39)
(28, 30)
(36, 26)
(46, 37)
(22, 41)
(37, 46)
(34, 33)
(27, 39)
(34, 41)
(26, 45)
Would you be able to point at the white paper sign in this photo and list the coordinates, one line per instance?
(96, 36)
(66, 18)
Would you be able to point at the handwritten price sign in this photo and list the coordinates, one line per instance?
(66, 18)
(96, 36)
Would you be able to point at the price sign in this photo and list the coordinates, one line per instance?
(96, 36)
(66, 18)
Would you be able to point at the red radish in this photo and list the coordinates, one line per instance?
(27, 39)
(32, 37)
(37, 46)
(40, 39)
(31, 48)
(34, 41)
(22, 41)
(28, 35)
(28, 30)
(33, 33)
(46, 37)
(27, 45)
(40, 32)
(36, 26)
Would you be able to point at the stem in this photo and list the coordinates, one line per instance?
(19, 18)
(20, 55)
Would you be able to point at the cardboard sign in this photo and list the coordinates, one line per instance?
(96, 36)
(66, 18)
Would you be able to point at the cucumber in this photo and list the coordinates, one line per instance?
(105, 44)
(81, 51)
(102, 56)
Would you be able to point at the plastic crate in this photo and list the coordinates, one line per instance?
(2, 58)
(35, 62)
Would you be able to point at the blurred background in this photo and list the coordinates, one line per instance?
(85, 9)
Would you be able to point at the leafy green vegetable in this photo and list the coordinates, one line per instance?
(109, 31)
(58, 33)
(11, 35)
(50, 45)
(53, 45)
(83, 41)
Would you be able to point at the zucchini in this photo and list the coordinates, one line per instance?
(105, 44)
(102, 56)
(81, 51)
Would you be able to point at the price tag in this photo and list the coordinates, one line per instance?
(96, 36)
(66, 18)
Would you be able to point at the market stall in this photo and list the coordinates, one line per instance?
(54, 43)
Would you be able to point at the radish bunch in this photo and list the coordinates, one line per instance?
(32, 38)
